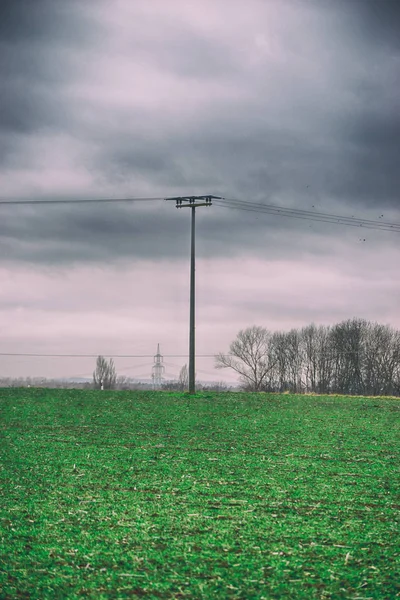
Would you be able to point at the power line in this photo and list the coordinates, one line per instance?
(309, 212)
(332, 354)
(34, 354)
(232, 203)
(258, 207)
(79, 201)
(394, 228)
(360, 225)
(120, 370)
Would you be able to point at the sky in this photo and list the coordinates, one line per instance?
(294, 103)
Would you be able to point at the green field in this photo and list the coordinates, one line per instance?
(159, 495)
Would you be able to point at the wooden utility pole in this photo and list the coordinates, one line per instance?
(193, 202)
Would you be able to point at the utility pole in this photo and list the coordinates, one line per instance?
(192, 202)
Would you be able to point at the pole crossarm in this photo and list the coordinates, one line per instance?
(194, 201)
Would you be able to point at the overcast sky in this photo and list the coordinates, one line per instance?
(287, 102)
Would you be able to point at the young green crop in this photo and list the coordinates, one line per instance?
(163, 495)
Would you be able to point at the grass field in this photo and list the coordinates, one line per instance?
(158, 495)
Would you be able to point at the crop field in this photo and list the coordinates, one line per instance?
(160, 495)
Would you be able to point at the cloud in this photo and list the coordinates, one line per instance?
(284, 102)
(171, 96)
(37, 43)
(131, 308)
(379, 22)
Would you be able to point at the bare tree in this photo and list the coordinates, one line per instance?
(279, 376)
(295, 357)
(104, 376)
(183, 379)
(317, 358)
(216, 386)
(249, 356)
(286, 362)
(123, 382)
(351, 357)
(381, 359)
(348, 347)
(396, 367)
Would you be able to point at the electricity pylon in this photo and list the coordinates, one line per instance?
(157, 370)
(192, 202)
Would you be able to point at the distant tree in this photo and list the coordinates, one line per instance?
(318, 358)
(170, 386)
(381, 359)
(348, 347)
(216, 386)
(183, 379)
(250, 356)
(351, 357)
(122, 382)
(104, 376)
(396, 368)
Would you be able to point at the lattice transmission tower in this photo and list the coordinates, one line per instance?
(157, 370)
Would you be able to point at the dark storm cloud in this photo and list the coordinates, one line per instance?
(61, 235)
(36, 42)
(379, 20)
(371, 133)
(314, 126)
(373, 175)
(24, 112)
(354, 162)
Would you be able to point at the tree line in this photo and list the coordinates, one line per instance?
(355, 357)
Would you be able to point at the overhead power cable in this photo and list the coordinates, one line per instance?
(315, 217)
(79, 201)
(231, 203)
(32, 354)
(309, 212)
(260, 207)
